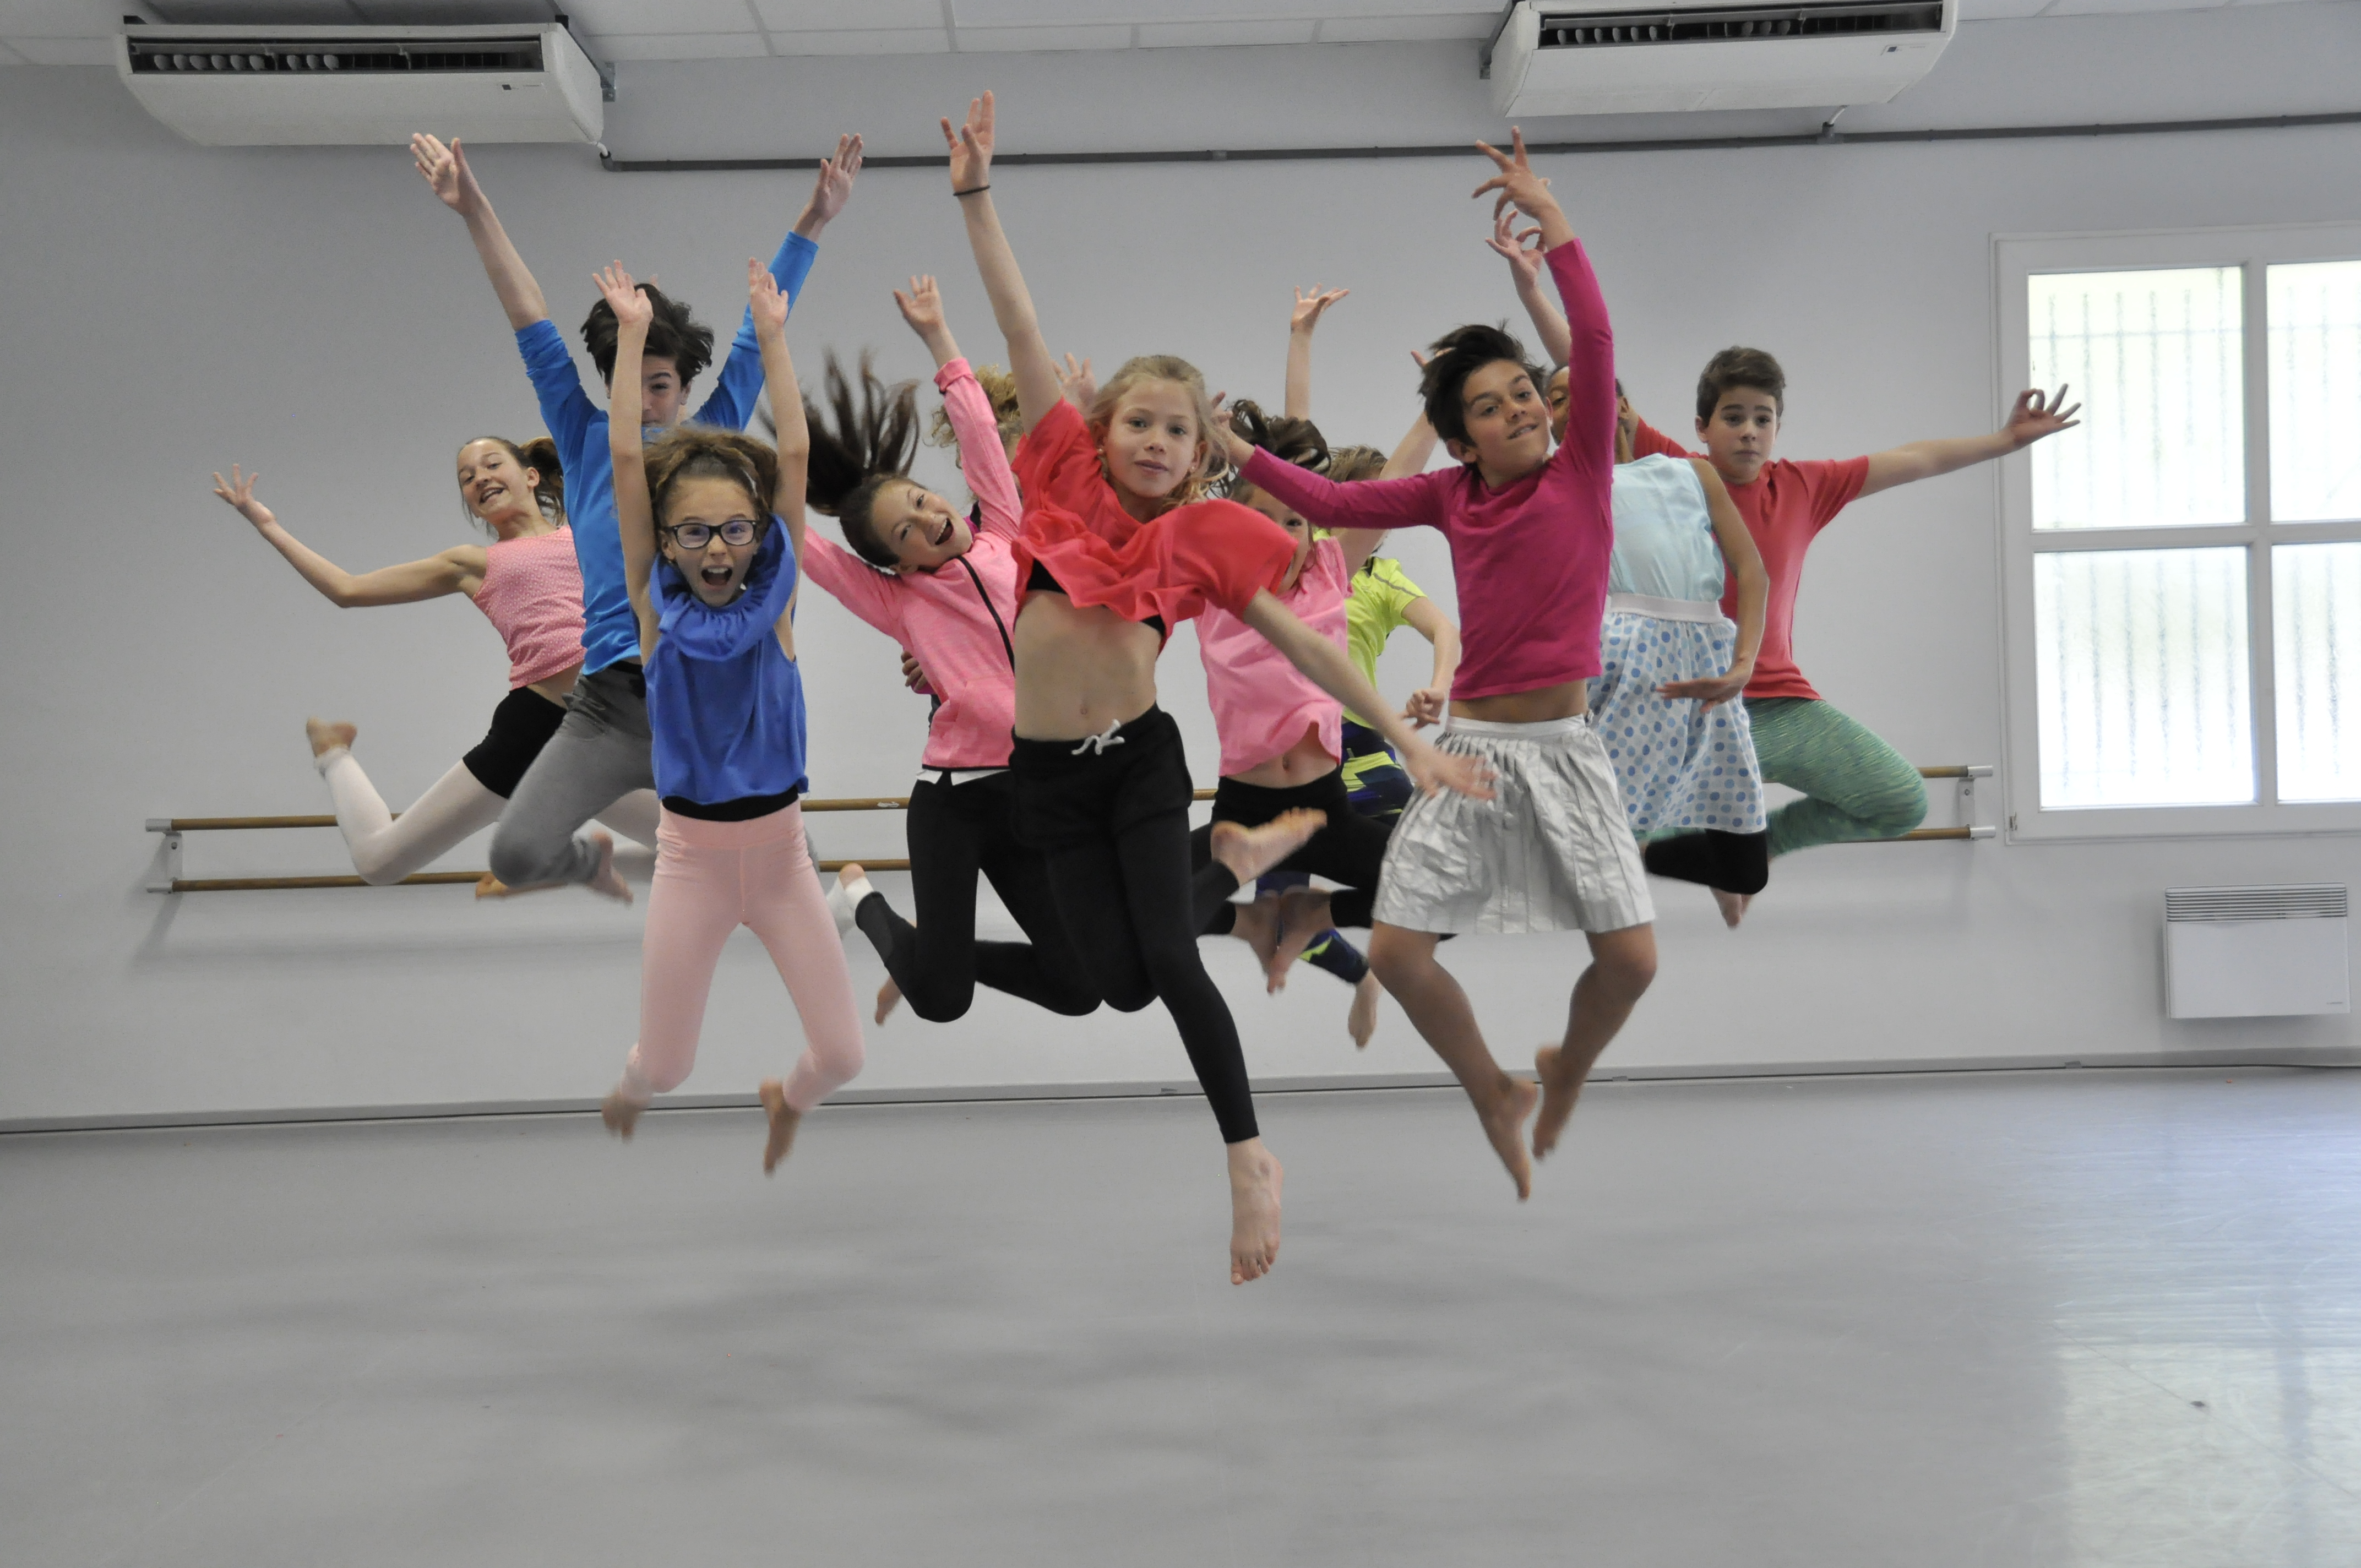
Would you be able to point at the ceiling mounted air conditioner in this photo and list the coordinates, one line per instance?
(1603, 57)
(341, 86)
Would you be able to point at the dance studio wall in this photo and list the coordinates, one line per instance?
(169, 310)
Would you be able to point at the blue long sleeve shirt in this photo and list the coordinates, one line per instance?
(725, 704)
(579, 424)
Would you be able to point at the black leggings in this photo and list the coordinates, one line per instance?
(1111, 816)
(1350, 850)
(956, 831)
(1734, 863)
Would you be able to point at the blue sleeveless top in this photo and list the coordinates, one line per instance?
(725, 704)
(1664, 544)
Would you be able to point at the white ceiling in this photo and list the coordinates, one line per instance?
(76, 32)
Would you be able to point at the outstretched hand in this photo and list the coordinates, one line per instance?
(239, 491)
(445, 170)
(971, 146)
(763, 296)
(1431, 769)
(832, 188)
(1078, 386)
(622, 295)
(922, 307)
(1522, 252)
(1309, 308)
(1238, 446)
(1521, 187)
(2038, 414)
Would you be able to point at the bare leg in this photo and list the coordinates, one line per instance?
(1733, 907)
(1251, 851)
(1404, 961)
(1362, 1021)
(784, 1119)
(1621, 965)
(889, 997)
(1255, 1178)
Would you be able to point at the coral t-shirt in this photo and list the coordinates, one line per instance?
(1786, 506)
(1170, 567)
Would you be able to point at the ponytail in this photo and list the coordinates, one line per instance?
(858, 447)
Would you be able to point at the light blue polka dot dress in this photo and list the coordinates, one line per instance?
(1680, 767)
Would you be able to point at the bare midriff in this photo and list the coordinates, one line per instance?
(1299, 765)
(1538, 706)
(1080, 669)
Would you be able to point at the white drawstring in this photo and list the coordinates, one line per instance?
(1099, 743)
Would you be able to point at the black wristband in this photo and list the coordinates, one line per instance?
(973, 190)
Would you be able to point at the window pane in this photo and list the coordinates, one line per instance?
(2155, 360)
(2315, 316)
(2316, 630)
(2140, 657)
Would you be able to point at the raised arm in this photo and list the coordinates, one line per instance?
(983, 460)
(1523, 253)
(459, 570)
(1325, 665)
(1011, 307)
(1427, 704)
(770, 308)
(635, 517)
(1410, 457)
(1753, 584)
(1308, 309)
(2037, 414)
(445, 170)
(738, 382)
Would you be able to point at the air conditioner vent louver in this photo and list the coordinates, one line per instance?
(263, 57)
(2324, 902)
(1610, 28)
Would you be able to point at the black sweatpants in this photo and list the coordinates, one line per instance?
(956, 831)
(1350, 850)
(1111, 816)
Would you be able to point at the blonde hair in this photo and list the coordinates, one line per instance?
(1137, 372)
(1347, 464)
(1001, 388)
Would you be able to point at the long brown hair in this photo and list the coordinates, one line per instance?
(858, 447)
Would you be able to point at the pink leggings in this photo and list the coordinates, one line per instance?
(710, 879)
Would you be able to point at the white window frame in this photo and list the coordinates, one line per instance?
(2018, 257)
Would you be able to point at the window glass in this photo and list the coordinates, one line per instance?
(2140, 662)
(2316, 634)
(2315, 380)
(2156, 360)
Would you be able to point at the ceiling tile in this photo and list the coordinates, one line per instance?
(1403, 29)
(649, 18)
(901, 40)
(65, 51)
(1206, 34)
(1042, 40)
(680, 45)
(841, 16)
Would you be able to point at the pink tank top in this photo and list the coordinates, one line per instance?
(531, 594)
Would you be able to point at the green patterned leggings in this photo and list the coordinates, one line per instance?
(1856, 785)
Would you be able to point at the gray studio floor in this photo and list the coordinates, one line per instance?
(2059, 1318)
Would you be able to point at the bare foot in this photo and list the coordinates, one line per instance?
(1257, 925)
(889, 997)
(1560, 1089)
(784, 1119)
(1251, 851)
(326, 737)
(1302, 915)
(1362, 1021)
(1255, 1178)
(604, 882)
(621, 1113)
(1504, 1123)
(1733, 905)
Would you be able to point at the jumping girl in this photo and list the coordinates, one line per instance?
(1111, 554)
(725, 515)
(528, 587)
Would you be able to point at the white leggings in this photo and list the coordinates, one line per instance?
(387, 849)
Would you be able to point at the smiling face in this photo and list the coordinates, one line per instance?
(920, 528)
(1298, 529)
(1508, 423)
(1742, 433)
(715, 572)
(497, 489)
(1153, 443)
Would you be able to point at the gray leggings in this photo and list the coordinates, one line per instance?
(599, 755)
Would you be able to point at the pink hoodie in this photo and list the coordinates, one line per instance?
(957, 618)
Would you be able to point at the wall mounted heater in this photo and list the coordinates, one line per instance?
(2256, 952)
(1612, 56)
(253, 86)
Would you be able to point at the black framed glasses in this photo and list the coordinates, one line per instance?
(697, 535)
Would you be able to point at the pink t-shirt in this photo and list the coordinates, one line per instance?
(1262, 703)
(1530, 558)
(956, 620)
(532, 593)
(1786, 506)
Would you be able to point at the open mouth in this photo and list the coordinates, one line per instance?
(944, 537)
(491, 493)
(716, 576)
